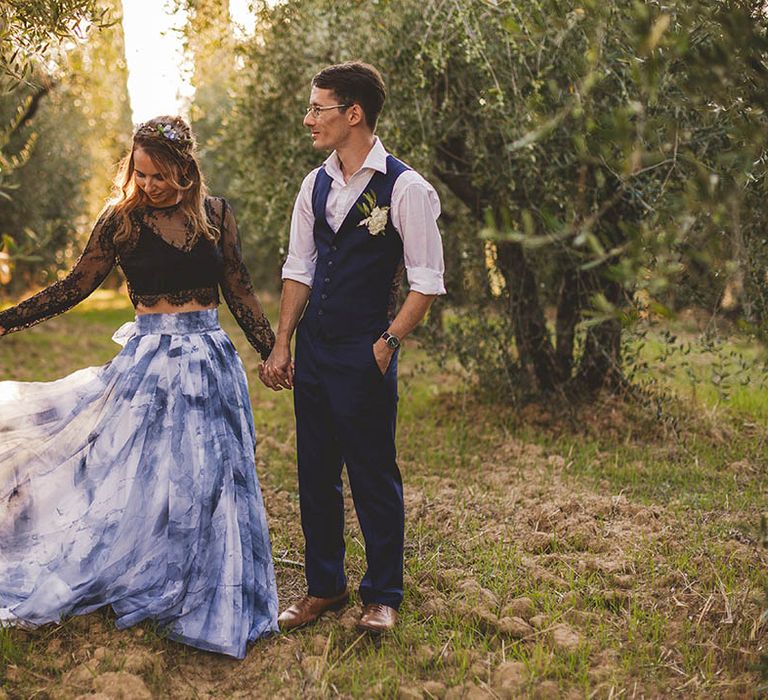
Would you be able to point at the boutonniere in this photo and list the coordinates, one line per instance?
(375, 216)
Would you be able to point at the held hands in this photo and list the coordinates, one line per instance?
(277, 372)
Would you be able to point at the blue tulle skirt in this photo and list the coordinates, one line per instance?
(134, 485)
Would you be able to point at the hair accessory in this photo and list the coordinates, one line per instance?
(168, 131)
(164, 129)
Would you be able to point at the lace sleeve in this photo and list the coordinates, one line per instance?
(238, 290)
(95, 263)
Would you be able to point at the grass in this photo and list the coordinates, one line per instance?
(712, 370)
(640, 539)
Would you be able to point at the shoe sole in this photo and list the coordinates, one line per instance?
(377, 631)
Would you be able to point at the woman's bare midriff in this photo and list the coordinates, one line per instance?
(164, 307)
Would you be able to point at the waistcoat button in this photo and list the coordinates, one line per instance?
(327, 279)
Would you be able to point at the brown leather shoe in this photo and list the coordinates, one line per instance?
(377, 618)
(309, 608)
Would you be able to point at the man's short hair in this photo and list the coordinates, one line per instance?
(355, 81)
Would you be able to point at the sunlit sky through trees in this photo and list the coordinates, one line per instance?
(158, 74)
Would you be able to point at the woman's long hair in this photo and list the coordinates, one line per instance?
(169, 142)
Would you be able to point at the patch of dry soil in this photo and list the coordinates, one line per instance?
(557, 533)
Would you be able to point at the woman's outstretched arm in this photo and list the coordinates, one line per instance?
(90, 270)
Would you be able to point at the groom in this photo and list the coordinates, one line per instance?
(358, 221)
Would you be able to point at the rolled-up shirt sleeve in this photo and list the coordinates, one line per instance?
(302, 252)
(415, 210)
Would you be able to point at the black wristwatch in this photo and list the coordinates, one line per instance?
(392, 340)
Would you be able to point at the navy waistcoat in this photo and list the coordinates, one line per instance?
(357, 275)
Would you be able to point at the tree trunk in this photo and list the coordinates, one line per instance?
(551, 366)
(568, 313)
(531, 334)
(600, 365)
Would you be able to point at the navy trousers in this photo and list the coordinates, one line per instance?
(346, 412)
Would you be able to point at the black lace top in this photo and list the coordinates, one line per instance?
(162, 261)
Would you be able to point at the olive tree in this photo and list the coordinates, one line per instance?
(68, 120)
(590, 155)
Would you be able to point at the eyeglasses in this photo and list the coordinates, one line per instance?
(316, 110)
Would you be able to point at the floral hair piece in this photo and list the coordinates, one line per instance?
(166, 130)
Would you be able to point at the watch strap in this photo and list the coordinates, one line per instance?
(391, 339)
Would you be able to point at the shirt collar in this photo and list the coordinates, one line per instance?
(375, 160)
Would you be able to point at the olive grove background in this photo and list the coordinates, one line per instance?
(64, 123)
(598, 162)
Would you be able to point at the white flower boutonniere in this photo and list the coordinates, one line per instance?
(375, 217)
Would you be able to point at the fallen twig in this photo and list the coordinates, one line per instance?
(289, 562)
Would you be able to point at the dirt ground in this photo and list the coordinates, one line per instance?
(522, 581)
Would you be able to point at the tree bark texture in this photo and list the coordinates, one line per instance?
(552, 366)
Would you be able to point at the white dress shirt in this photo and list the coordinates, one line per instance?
(414, 210)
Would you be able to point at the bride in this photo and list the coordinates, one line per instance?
(134, 484)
